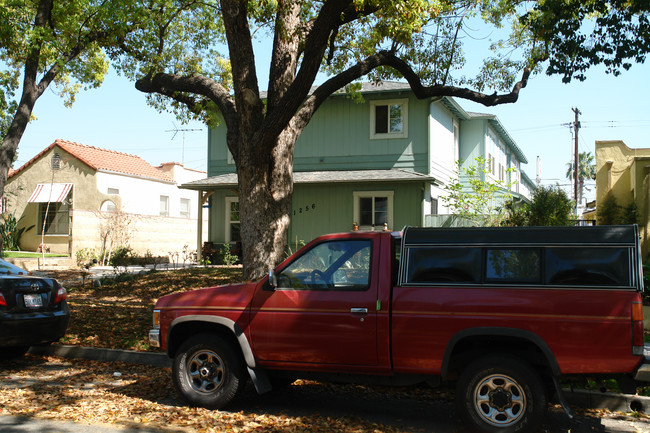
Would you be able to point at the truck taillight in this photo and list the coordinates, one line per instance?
(3, 301)
(61, 295)
(156, 319)
(637, 328)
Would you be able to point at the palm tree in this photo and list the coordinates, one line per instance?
(586, 170)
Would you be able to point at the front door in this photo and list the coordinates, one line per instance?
(324, 308)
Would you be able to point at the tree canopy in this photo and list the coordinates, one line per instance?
(45, 42)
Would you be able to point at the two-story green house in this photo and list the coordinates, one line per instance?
(381, 162)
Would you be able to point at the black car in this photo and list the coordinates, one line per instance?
(33, 311)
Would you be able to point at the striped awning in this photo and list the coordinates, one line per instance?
(50, 192)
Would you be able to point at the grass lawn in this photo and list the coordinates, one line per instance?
(28, 254)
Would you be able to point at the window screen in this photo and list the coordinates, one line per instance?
(521, 265)
(587, 266)
(444, 264)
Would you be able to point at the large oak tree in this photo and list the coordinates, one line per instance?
(177, 60)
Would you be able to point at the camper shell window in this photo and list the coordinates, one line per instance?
(587, 257)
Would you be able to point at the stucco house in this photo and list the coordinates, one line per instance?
(383, 161)
(71, 192)
(625, 173)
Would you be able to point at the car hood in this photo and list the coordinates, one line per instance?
(230, 296)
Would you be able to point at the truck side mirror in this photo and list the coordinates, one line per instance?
(273, 279)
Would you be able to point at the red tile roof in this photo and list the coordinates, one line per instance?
(104, 160)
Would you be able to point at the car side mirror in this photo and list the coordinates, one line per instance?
(273, 279)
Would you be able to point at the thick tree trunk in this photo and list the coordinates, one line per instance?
(265, 191)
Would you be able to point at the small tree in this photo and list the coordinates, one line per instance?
(609, 211)
(630, 214)
(475, 198)
(549, 206)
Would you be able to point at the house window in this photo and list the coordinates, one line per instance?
(373, 209)
(164, 205)
(54, 218)
(232, 220)
(3, 205)
(434, 206)
(389, 119)
(115, 191)
(185, 208)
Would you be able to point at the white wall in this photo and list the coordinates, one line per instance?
(444, 141)
(443, 152)
(142, 196)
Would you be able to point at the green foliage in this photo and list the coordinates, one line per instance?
(609, 211)
(228, 258)
(619, 33)
(549, 206)
(474, 197)
(630, 214)
(10, 232)
(86, 258)
(121, 258)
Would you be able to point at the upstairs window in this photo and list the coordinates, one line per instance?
(389, 119)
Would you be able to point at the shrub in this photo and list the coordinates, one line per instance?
(121, 257)
(86, 257)
(10, 232)
(609, 211)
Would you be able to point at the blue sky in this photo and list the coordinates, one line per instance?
(116, 116)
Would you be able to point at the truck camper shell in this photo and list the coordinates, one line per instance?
(589, 256)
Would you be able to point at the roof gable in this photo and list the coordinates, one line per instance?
(104, 160)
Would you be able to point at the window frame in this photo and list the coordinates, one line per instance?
(164, 212)
(403, 102)
(357, 195)
(228, 222)
(185, 213)
(55, 213)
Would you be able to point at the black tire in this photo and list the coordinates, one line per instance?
(499, 393)
(13, 352)
(207, 372)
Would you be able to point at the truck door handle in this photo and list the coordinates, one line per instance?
(359, 310)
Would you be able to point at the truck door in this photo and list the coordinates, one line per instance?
(323, 310)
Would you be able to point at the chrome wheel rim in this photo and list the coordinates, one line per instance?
(499, 400)
(205, 372)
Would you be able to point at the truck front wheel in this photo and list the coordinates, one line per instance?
(502, 394)
(207, 372)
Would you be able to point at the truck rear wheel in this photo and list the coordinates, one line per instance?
(207, 372)
(499, 393)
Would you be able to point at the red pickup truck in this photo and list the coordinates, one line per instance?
(502, 313)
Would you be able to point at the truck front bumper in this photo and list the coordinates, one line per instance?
(154, 337)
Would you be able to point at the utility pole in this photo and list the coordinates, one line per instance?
(576, 127)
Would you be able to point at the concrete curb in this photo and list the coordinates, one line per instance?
(98, 354)
(577, 398)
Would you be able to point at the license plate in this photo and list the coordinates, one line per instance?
(33, 301)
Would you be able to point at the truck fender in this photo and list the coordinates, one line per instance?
(244, 345)
(499, 332)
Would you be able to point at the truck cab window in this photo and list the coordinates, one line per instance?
(339, 265)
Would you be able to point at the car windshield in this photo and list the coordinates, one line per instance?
(7, 268)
